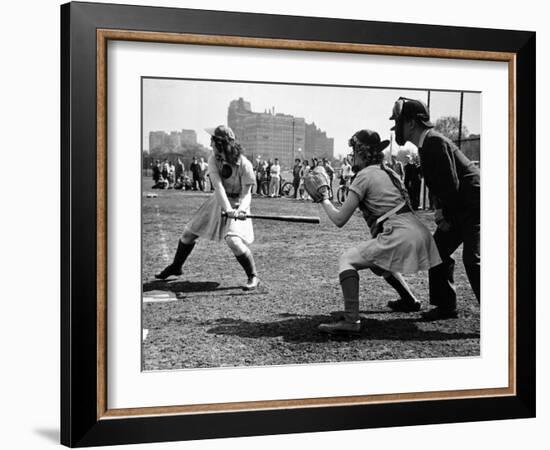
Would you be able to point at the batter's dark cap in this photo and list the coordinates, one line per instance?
(411, 109)
(221, 132)
(369, 138)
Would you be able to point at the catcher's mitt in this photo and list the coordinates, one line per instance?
(317, 184)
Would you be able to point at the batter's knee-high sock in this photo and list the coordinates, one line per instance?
(246, 260)
(397, 282)
(174, 268)
(182, 253)
(349, 281)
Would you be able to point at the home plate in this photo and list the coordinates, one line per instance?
(159, 297)
(144, 334)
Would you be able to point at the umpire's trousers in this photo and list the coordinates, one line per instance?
(465, 229)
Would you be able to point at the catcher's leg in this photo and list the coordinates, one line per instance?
(245, 259)
(407, 301)
(185, 247)
(350, 262)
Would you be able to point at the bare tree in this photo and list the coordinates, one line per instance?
(448, 126)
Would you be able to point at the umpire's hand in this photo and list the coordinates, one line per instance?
(442, 223)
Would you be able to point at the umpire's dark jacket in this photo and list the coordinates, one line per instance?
(451, 177)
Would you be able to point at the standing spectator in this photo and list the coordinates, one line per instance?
(171, 175)
(296, 170)
(346, 172)
(330, 172)
(396, 166)
(203, 165)
(413, 181)
(260, 171)
(180, 169)
(165, 169)
(268, 170)
(196, 172)
(303, 172)
(274, 183)
(314, 163)
(453, 181)
(156, 172)
(265, 175)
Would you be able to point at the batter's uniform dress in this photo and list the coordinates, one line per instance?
(208, 222)
(400, 243)
(454, 182)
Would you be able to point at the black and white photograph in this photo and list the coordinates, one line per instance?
(292, 223)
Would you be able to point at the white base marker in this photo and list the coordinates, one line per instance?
(159, 297)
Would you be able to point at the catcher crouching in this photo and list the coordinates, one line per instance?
(400, 242)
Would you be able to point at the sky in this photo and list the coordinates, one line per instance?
(172, 104)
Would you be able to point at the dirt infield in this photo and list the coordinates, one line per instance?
(212, 322)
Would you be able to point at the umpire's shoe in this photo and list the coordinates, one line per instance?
(403, 306)
(440, 313)
(341, 327)
(169, 271)
(251, 284)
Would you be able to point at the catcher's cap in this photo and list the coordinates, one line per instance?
(411, 109)
(221, 132)
(370, 139)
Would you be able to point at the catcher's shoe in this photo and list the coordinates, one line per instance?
(403, 306)
(341, 327)
(341, 315)
(169, 271)
(251, 284)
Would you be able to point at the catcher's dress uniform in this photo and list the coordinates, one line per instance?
(208, 222)
(401, 243)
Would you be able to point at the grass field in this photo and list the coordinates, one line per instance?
(211, 322)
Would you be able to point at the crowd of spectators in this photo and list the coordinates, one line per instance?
(172, 175)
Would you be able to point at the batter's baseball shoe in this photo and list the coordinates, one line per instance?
(341, 327)
(251, 284)
(169, 271)
(403, 306)
(440, 313)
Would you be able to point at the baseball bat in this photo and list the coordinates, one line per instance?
(298, 219)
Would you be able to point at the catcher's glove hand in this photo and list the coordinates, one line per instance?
(317, 184)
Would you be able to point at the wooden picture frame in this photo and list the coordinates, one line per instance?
(86, 418)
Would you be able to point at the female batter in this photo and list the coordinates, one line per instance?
(232, 177)
(399, 243)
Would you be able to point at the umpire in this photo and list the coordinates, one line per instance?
(454, 181)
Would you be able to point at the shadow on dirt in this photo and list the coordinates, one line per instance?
(183, 286)
(304, 329)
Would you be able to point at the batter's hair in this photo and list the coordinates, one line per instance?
(232, 150)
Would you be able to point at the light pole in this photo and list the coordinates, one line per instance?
(423, 182)
(293, 157)
(460, 119)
